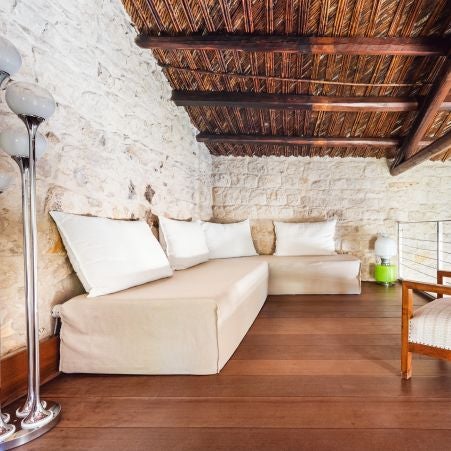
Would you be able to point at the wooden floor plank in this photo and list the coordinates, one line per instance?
(325, 326)
(334, 367)
(242, 439)
(222, 386)
(302, 413)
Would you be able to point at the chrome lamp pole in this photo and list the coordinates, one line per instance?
(33, 105)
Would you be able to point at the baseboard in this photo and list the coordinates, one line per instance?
(14, 369)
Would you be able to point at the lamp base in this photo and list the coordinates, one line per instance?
(385, 274)
(22, 436)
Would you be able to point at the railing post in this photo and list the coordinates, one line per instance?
(439, 244)
(399, 251)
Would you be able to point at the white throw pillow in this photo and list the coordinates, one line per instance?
(184, 242)
(229, 240)
(109, 255)
(305, 238)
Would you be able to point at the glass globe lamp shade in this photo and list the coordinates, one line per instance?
(15, 143)
(10, 60)
(29, 99)
(5, 181)
(385, 247)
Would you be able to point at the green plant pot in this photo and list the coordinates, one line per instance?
(386, 274)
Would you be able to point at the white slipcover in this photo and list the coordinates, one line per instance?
(109, 255)
(322, 274)
(431, 324)
(189, 324)
(305, 238)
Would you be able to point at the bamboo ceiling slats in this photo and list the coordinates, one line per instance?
(279, 72)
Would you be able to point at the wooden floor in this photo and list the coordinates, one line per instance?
(313, 373)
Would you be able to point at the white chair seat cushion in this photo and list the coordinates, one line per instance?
(110, 255)
(431, 324)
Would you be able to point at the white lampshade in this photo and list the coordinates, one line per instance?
(30, 100)
(385, 247)
(15, 143)
(10, 59)
(5, 181)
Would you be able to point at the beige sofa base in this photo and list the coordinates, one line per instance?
(324, 274)
(193, 322)
(188, 324)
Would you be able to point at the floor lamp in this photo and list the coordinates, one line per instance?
(33, 105)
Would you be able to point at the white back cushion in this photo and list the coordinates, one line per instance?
(229, 240)
(305, 238)
(110, 255)
(184, 242)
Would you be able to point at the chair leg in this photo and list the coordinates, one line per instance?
(406, 362)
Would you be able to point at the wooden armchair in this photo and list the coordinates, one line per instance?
(425, 331)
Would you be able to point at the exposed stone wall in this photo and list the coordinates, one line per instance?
(117, 146)
(360, 193)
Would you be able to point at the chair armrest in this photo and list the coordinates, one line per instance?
(441, 274)
(424, 286)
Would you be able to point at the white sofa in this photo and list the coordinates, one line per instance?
(192, 322)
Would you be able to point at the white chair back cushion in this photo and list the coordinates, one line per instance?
(184, 242)
(229, 240)
(111, 255)
(305, 238)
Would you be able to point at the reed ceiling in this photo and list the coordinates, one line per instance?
(228, 70)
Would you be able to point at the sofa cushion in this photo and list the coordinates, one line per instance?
(109, 255)
(305, 238)
(184, 242)
(229, 240)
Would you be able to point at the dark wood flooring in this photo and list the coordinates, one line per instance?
(313, 373)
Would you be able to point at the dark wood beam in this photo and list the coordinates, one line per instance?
(297, 102)
(422, 46)
(427, 112)
(436, 148)
(313, 141)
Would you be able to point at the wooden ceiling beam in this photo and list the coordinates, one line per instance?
(298, 102)
(436, 148)
(419, 46)
(314, 141)
(426, 114)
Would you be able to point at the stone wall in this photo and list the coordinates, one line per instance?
(360, 193)
(117, 146)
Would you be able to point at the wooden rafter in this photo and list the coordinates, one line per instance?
(426, 114)
(313, 141)
(423, 46)
(436, 148)
(298, 102)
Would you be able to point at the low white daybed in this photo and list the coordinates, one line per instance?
(192, 322)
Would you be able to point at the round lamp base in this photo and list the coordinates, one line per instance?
(22, 436)
(386, 274)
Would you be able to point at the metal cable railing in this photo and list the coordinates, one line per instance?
(424, 247)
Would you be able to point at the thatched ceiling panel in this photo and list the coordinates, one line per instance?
(278, 72)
